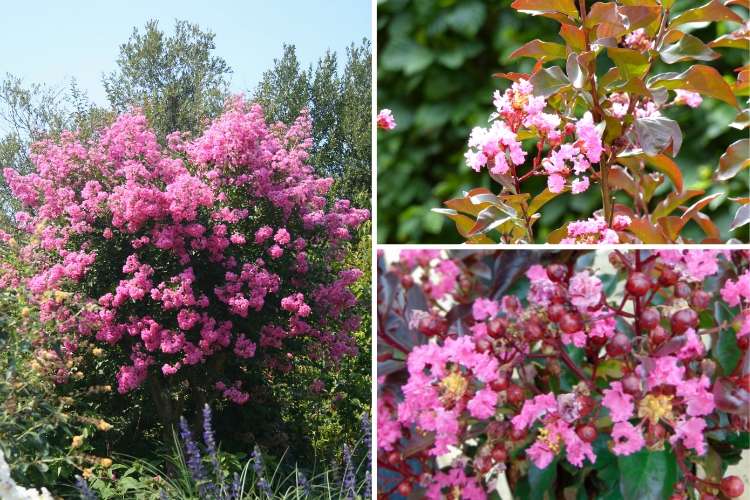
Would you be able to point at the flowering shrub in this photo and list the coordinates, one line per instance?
(601, 121)
(626, 377)
(204, 263)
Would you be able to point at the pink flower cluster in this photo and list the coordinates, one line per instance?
(595, 230)
(485, 385)
(445, 382)
(499, 148)
(208, 245)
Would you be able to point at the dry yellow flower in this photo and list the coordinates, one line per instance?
(106, 462)
(103, 425)
(97, 352)
(87, 473)
(77, 442)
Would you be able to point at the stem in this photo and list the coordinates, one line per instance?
(606, 195)
(573, 367)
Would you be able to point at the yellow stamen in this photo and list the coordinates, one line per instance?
(454, 386)
(552, 442)
(655, 408)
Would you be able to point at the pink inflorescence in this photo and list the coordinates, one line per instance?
(574, 146)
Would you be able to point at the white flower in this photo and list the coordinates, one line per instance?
(9, 490)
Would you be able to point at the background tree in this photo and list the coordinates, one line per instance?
(177, 79)
(339, 103)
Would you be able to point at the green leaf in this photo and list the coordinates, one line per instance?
(726, 352)
(538, 49)
(467, 18)
(658, 134)
(742, 120)
(540, 200)
(407, 56)
(647, 475)
(698, 78)
(542, 481)
(632, 63)
(548, 81)
(689, 47)
(712, 11)
(736, 157)
(741, 217)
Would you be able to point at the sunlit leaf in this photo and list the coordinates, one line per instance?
(573, 37)
(673, 201)
(689, 47)
(741, 217)
(542, 7)
(645, 231)
(538, 49)
(712, 11)
(548, 81)
(736, 158)
(742, 120)
(662, 163)
(540, 200)
(698, 78)
(632, 64)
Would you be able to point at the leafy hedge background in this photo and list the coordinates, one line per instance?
(436, 59)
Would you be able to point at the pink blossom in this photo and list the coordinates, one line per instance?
(619, 404)
(627, 438)
(692, 99)
(690, 432)
(455, 480)
(482, 405)
(483, 309)
(585, 291)
(594, 230)
(696, 395)
(734, 291)
(579, 185)
(385, 120)
(534, 409)
(693, 347)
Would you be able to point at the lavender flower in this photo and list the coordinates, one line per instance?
(84, 490)
(262, 483)
(193, 454)
(210, 442)
(349, 482)
(303, 483)
(367, 432)
(235, 488)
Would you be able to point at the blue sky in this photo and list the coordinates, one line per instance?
(51, 41)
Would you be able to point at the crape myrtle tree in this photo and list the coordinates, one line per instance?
(599, 117)
(200, 267)
(563, 374)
